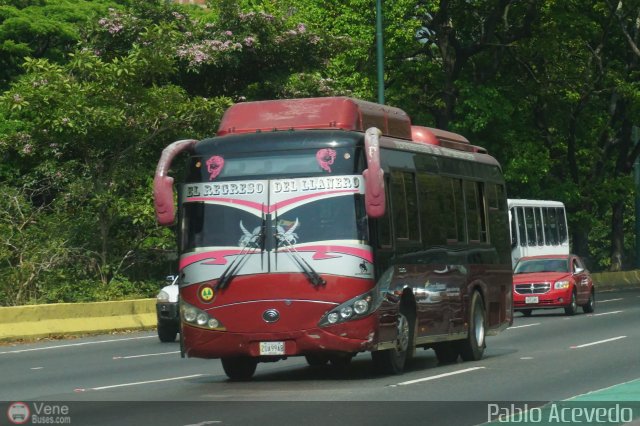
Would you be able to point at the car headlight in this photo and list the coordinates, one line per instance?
(353, 309)
(163, 296)
(561, 285)
(199, 318)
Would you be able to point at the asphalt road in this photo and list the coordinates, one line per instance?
(135, 379)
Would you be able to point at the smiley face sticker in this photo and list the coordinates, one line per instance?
(206, 293)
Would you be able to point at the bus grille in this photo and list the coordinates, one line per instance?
(533, 288)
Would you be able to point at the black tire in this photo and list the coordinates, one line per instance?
(167, 333)
(572, 308)
(239, 368)
(341, 361)
(392, 361)
(446, 352)
(316, 360)
(590, 306)
(526, 312)
(472, 348)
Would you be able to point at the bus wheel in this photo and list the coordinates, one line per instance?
(316, 360)
(239, 368)
(472, 348)
(590, 306)
(572, 308)
(446, 352)
(392, 361)
(167, 333)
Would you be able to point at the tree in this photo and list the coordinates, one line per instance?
(41, 29)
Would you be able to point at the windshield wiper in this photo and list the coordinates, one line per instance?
(250, 242)
(284, 238)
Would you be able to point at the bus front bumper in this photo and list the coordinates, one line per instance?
(350, 337)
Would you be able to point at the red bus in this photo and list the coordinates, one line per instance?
(325, 227)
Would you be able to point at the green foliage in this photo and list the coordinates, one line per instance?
(42, 29)
(93, 90)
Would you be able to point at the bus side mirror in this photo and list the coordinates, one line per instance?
(374, 198)
(163, 200)
(163, 184)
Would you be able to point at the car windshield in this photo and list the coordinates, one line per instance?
(527, 266)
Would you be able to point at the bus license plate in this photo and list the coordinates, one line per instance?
(271, 348)
(531, 299)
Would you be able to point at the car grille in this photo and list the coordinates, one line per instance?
(533, 288)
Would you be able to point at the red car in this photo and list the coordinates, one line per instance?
(552, 281)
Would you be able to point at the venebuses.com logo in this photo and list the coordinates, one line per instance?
(18, 413)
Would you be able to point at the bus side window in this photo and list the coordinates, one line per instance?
(433, 216)
(562, 226)
(384, 223)
(550, 226)
(538, 218)
(476, 220)
(530, 226)
(404, 205)
(522, 230)
(458, 198)
(513, 227)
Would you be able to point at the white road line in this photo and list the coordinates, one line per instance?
(522, 326)
(606, 313)
(439, 376)
(610, 300)
(138, 383)
(145, 355)
(75, 344)
(598, 342)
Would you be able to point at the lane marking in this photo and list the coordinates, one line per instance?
(526, 357)
(121, 385)
(598, 342)
(522, 326)
(606, 313)
(145, 355)
(75, 344)
(36, 368)
(439, 376)
(610, 300)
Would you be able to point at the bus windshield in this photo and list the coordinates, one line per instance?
(215, 225)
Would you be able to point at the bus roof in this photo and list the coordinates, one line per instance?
(512, 202)
(315, 113)
(336, 113)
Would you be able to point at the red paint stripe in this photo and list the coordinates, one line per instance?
(309, 196)
(217, 256)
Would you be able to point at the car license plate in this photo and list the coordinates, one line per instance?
(271, 348)
(531, 299)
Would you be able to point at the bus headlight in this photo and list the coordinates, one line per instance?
(361, 306)
(356, 308)
(199, 318)
(333, 318)
(190, 313)
(163, 296)
(346, 312)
